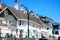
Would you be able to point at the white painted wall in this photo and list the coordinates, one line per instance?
(5, 29)
(31, 28)
(39, 29)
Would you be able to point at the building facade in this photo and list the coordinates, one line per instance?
(13, 21)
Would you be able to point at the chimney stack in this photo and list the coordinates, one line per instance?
(0, 6)
(31, 12)
(37, 15)
(22, 8)
(16, 4)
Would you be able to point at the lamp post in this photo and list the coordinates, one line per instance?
(53, 31)
(28, 19)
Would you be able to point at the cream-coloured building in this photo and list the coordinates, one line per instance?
(14, 21)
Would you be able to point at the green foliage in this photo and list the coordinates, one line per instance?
(33, 37)
(11, 36)
(7, 35)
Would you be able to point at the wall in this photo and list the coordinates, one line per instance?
(32, 26)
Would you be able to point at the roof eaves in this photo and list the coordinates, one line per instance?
(3, 9)
(13, 12)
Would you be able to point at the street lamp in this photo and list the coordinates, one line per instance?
(28, 19)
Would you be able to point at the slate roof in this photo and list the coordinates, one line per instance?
(21, 15)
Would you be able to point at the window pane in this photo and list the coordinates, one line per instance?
(55, 26)
(21, 33)
(16, 31)
(56, 32)
(6, 12)
(35, 32)
(20, 22)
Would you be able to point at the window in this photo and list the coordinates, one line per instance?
(21, 33)
(55, 26)
(35, 32)
(55, 32)
(0, 21)
(21, 22)
(35, 26)
(30, 23)
(10, 21)
(16, 31)
(50, 25)
(6, 12)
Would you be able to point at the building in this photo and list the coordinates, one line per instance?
(53, 26)
(14, 21)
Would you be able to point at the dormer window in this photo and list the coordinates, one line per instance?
(6, 12)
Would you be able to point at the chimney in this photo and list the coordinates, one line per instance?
(0, 6)
(37, 15)
(22, 8)
(31, 12)
(16, 4)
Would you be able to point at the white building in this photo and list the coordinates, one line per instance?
(15, 22)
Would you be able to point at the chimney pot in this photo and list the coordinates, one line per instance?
(31, 12)
(22, 6)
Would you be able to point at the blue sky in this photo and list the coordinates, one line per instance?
(49, 8)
